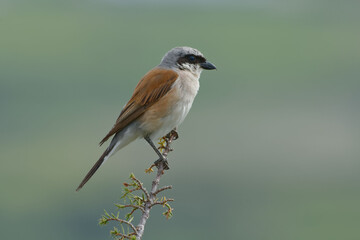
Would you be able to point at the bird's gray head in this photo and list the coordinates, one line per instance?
(186, 59)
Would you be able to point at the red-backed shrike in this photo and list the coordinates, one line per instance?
(160, 102)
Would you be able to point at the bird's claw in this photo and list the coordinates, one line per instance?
(163, 161)
(173, 133)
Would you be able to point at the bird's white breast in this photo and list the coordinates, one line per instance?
(186, 88)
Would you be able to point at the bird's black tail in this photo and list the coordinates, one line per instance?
(94, 168)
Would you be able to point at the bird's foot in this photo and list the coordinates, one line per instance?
(164, 149)
(162, 161)
(173, 133)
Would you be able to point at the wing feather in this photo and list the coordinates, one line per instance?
(152, 87)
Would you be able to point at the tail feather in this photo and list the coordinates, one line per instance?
(120, 140)
(94, 169)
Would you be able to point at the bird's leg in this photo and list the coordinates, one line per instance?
(154, 147)
(165, 146)
(162, 158)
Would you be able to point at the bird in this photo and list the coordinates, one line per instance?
(160, 102)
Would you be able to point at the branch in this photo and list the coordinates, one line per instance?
(130, 206)
(124, 221)
(144, 217)
(141, 186)
(163, 189)
(144, 202)
(127, 236)
(152, 196)
(162, 202)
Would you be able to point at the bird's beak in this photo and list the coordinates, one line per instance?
(207, 65)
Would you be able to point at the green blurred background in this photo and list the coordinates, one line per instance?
(270, 149)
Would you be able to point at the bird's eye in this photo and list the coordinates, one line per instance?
(191, 58)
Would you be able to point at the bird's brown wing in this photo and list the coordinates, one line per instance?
(153, 86)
